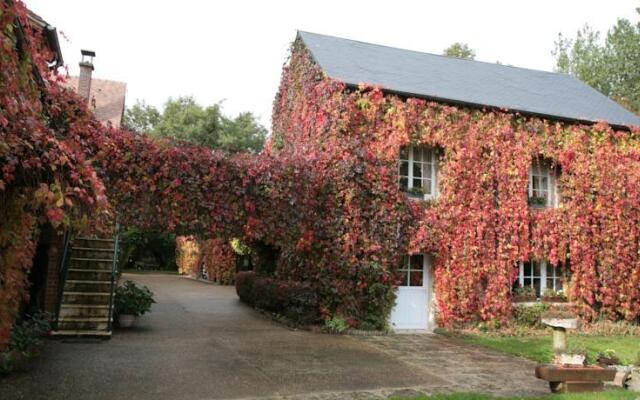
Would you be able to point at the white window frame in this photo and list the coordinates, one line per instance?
(433, 178)
(556, 275)
(406, 267)
(542, 169)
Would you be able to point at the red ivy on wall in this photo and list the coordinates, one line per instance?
(325, 193)
(481, 225)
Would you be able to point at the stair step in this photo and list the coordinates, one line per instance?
(93, 243)
(92, 253)
(101, 324)
(94, 239)
(92, 306)
(86, 298)
(100, 249)
(83, 319)
(87, 332)
(84, 311)
(89, 274)
(86, 293)
(91, 263)
(73, 285)
(92, 259)
(101, 271)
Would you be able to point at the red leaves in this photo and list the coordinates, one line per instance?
(482, 225)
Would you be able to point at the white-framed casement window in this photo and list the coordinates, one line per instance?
(543, 184)
(418, 171)
(540, 275)
(411, 272)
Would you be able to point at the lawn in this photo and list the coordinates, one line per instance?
(538, 348)
(608, 395)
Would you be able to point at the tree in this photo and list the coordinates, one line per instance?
(141, 117)
(460, 50)
(242, 133)
(185, 120)
(611, 67)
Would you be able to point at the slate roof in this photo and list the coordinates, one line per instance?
(109, 98)
(466, 82)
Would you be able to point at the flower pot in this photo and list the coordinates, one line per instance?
(570, 359)
(126, 320)
(575, 379)
(554, 299)
(520, 298)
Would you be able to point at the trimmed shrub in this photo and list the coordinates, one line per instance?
(296, 301)
(529, 316)
(244, 286)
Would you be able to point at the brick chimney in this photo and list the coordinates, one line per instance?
(86, 68)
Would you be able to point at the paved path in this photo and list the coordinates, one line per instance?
(200, 342)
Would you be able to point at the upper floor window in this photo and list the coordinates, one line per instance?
(419, 171)
(543, 184)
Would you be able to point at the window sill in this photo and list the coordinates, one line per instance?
(537, 302)
(420, 198)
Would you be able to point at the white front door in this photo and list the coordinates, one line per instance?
(411, 311)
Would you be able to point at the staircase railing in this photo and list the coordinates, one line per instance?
(63, 270)
(114, 273)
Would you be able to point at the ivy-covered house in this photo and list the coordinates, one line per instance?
(513, 178)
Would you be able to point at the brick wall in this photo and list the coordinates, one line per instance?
(56, 249)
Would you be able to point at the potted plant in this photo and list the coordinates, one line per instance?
(537, 201)
(551, 296)
(131, 301)
(524, 294)
(607, 358)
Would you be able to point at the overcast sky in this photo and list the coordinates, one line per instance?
(233, 50)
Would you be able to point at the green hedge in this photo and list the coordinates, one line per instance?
(296, 301)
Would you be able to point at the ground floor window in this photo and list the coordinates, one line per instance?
(541, 276)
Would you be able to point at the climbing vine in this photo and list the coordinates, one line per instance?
(323, 197)
(482, 225)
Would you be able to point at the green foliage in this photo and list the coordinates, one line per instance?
(30, 331)
(611, 66)
(460, 50)
(141, 117)
(540, 348)
(336, 324)
(133, 300)
(239, 247)
(26, 340)
(183, 119)
(242, 133)
(606, 395)
(529, 316)
(296, 301)
(143, 247)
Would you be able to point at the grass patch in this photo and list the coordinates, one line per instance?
(607, 395)
(539, 348)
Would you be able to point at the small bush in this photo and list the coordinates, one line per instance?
(26, 342)
(133, 300)
(529, 316)
(294, 300)
(336, 324)
(244, 286)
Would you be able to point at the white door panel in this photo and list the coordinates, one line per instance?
(411, 311)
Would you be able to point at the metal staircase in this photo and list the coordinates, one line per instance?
(86, 287)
